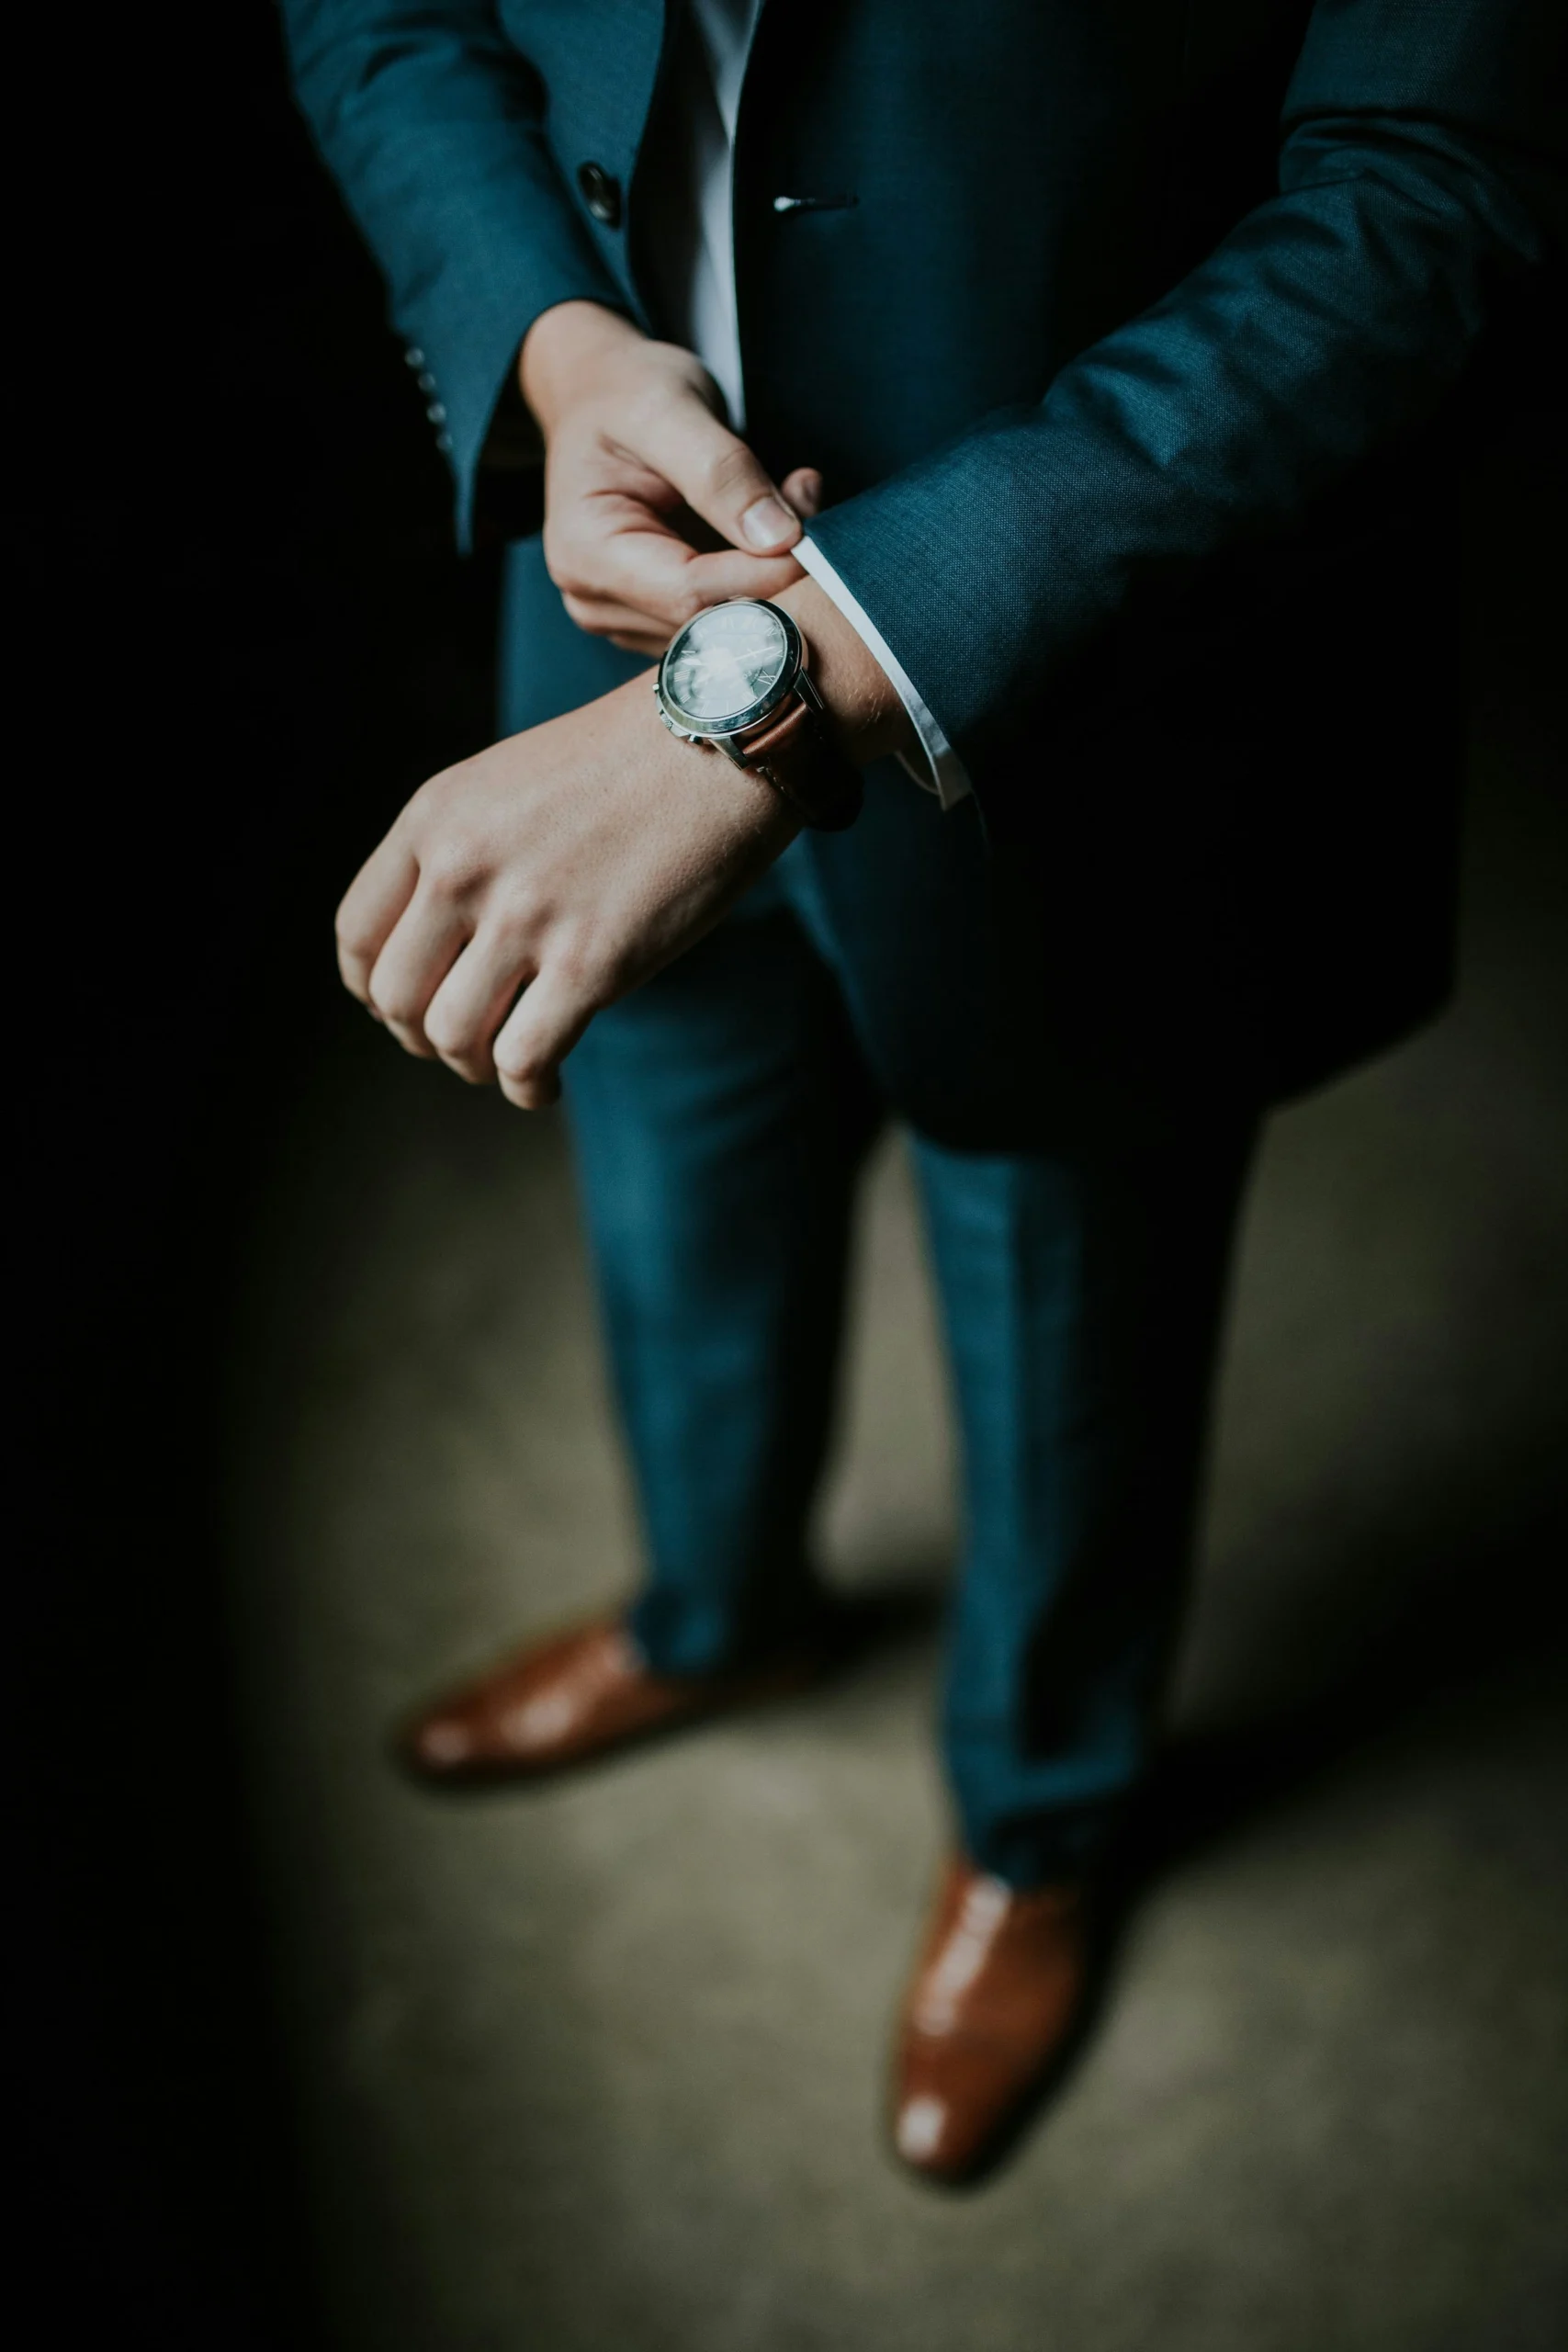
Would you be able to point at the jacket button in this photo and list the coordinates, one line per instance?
(600, 193)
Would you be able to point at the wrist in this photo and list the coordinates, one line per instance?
(746, 797)
(739, 677)
(860, 697)
(564, 350)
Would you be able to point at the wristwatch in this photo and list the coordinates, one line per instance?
(737, 676)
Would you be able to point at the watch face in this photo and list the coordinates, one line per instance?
(726, 661)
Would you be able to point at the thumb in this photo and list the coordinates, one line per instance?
(718, 478)
(803, 490)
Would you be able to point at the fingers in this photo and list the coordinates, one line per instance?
(444, 993)
(418, 954)
(622, 624)
(644, 565)
(627, 497)
(644, 586)
(464, 1014)
(638, 588)
(550, 1016)
(714, 579)
(803, 489)
(371, 905)
(717, 476)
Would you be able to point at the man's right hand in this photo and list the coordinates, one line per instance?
(638, 457)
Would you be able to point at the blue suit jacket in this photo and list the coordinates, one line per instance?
(1123, 349)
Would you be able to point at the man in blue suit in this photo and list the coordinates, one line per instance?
(1021, 438)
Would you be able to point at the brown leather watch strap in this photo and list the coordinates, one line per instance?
(801, 757)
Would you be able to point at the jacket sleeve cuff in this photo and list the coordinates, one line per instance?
(433, 129)
(485, 431)
(941, 770)
(501, 495)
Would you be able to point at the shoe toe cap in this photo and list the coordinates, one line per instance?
(955, 2099)
(919, 2128)
(440, 1743)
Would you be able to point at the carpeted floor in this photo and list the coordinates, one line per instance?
(598, 2069)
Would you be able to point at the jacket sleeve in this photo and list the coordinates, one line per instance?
(1421, 165)
(431, 123)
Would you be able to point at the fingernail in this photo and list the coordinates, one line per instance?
(767, 523)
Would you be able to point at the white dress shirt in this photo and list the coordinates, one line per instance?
(708, 100)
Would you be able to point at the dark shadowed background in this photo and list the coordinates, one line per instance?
(258, 641)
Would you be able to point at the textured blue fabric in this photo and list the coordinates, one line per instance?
(1125, 369)
(1021, 177)
(720, 1116)
(1420, 168)
(1081, 1294)
(435, 123)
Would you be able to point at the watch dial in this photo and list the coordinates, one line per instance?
(728, 659)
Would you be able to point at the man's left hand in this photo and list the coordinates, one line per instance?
(572, 861)
(568, 863)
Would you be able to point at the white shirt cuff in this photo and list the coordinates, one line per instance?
(943, 771)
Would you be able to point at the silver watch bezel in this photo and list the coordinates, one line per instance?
(693, 730)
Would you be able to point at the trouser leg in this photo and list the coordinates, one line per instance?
(720, 1117)
(1082, 1296)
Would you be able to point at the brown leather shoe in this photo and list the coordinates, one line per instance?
(998, 1987)
(568, 1699)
